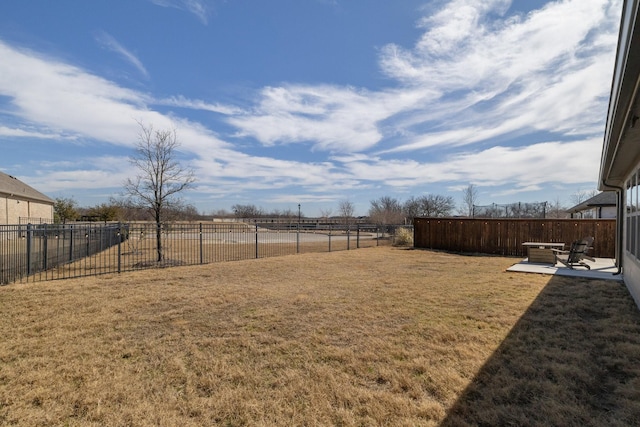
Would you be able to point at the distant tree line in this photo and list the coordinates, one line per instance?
(253, 211)
(67, 210)
(389, 210)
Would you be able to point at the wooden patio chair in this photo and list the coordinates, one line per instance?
(576, 255)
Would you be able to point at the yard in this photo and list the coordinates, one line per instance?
(376, 336)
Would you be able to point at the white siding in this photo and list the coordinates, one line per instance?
(609, 212)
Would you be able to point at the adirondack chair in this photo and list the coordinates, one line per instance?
(576, 254)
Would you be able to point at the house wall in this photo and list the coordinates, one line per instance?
(12, 209)
(604, 212)
(3, 211)
(631, 243)
(632, 276)
(40, 210)
(608, 212)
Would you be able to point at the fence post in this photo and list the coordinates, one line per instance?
(87, 236)
(119, 235)
(330, 237)
(298, 239)
(70, 243)
(201, 252)
(29, 235)
(348, 236)
(46, 248)
(256, 241)
(358, 236)
(377, 235)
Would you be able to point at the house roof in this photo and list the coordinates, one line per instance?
(622, 132)
(13, 187)
(606, 198)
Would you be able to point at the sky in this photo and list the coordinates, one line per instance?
(312, 102)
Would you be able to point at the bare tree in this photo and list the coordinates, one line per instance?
(431, 205)
(247, 211)
(469, 199)
(581, 195)
(435, 205)
(160, 177)
(386, 210)
(325, 213)
(411, 208)
(346, 209)
(556, 210)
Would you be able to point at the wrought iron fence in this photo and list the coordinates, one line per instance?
(47, 252)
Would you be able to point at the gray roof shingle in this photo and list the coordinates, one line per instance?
(606, 198)
(13, 187)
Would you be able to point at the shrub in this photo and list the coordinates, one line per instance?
(404, 237)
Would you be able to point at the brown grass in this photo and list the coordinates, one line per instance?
(379, 336)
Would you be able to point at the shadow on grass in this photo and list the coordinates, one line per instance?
(573, 358)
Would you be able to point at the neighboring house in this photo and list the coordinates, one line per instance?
(620, 163)
(18, 200)
(600, 206)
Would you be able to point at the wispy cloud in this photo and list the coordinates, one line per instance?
(26, 133)
(544, 73)
(200, 8)
(197, 104)
(66, 99)
(327, 117)
(110, 43)
(471, 77)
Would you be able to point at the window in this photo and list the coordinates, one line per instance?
(633, 212)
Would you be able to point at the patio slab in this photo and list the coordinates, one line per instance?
(601, 268)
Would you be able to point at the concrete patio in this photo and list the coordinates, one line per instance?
(601, 268)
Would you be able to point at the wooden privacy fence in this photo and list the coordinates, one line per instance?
(506, 236)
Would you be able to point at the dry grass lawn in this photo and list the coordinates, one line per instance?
(378, 336)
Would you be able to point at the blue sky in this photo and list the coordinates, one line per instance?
(282, 102)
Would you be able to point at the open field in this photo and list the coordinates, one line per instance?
(378, 336)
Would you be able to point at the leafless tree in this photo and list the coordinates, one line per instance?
(431, 205)
(556, 210)
(247, 211)
(469, 199)
(346, 209)
(435, 205)
(386, 210)
(160, 176)
(325, 213)
(581, 195)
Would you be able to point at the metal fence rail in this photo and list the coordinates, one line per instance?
(47, 252)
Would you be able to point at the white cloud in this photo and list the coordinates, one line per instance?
(110, 43)
(200, 8)
(26, 133)
(93, 173)
(66, 99)
(469, 79)
(332, 118)
(549, 71)
(196, 104)
(521, 167)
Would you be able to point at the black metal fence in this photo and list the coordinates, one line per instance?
(46, 252)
